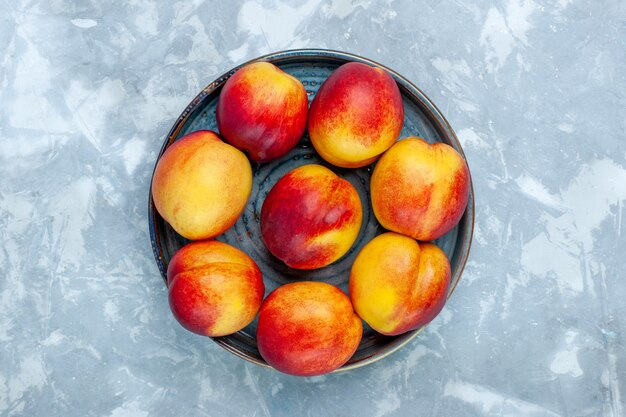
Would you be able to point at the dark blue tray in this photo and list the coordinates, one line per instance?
(312, 67)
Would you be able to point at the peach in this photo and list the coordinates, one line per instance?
(419, 189)
(311, 217)
(397, 284)
(201, 185)
(214, 288)
(262, 110)
(356, 115)
(307, 328)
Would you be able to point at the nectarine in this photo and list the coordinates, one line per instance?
(398, 284)
(201, 185)
(262, 110)
(356, 115)
(311, 217)
(307, 328)
(420, 190)
(214, 288)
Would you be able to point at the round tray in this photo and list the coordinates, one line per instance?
(312, 67)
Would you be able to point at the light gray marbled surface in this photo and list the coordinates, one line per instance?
(536, 91)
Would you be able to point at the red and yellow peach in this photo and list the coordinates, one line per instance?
(201, 185)
(262, 110)
(356, 115)
(214, 288)
(311, 217)
(307, 328)
(420, 189)
(397, 284)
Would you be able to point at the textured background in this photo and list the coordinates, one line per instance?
(536, 91)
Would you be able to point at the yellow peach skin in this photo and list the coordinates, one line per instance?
(420, 190)
(311, 217)
(214, 288)
(201, 185)
(397, 284)
(356, 115)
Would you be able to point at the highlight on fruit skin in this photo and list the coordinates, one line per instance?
(214, 289)
(262, 110)
(201, 185)
(420, 189)
(308, 328)
(398, 284)
(356, 115)
(311, 217)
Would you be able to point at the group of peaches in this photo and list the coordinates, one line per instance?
(311, 217)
